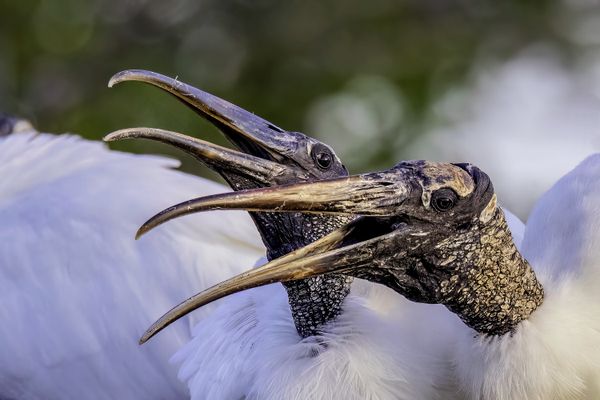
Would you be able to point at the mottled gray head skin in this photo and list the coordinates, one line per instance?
(271, 156)
(431, 231)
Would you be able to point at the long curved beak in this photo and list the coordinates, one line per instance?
(374, 194)
(250, 133)
(340, 251)
(346, 250)
(218, 158)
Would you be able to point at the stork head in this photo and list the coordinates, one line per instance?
(268, 156)
(431, 231)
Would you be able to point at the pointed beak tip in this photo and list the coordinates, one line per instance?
(119, 77)
(142, 231)
(111, 137)
(149, 334)
(114, 80)
(119, 135)
(132, 75)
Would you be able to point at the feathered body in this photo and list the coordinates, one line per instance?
(76, 291)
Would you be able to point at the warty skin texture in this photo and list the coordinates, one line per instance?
(477, 274)
(492, 287)
(313, 301)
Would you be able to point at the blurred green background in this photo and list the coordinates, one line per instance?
(363, 75)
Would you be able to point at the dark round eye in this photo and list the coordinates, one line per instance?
(322, 156)
(443, 200)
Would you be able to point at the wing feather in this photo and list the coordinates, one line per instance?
(76, 289)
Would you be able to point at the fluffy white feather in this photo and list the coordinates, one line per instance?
(555, 354)
(76, 291)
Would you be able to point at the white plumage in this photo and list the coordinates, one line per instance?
(76, 291)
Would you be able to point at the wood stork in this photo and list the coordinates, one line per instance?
(528, 323)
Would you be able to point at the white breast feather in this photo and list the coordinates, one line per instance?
(360, 355)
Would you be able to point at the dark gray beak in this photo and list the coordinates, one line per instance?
(343, 251)
(250, 133)
(368, 194)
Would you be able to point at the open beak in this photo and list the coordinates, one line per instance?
(250, 133)
(341, 251)
(346, 250)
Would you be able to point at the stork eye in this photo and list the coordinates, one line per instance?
(322, 156)
(443, 200)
